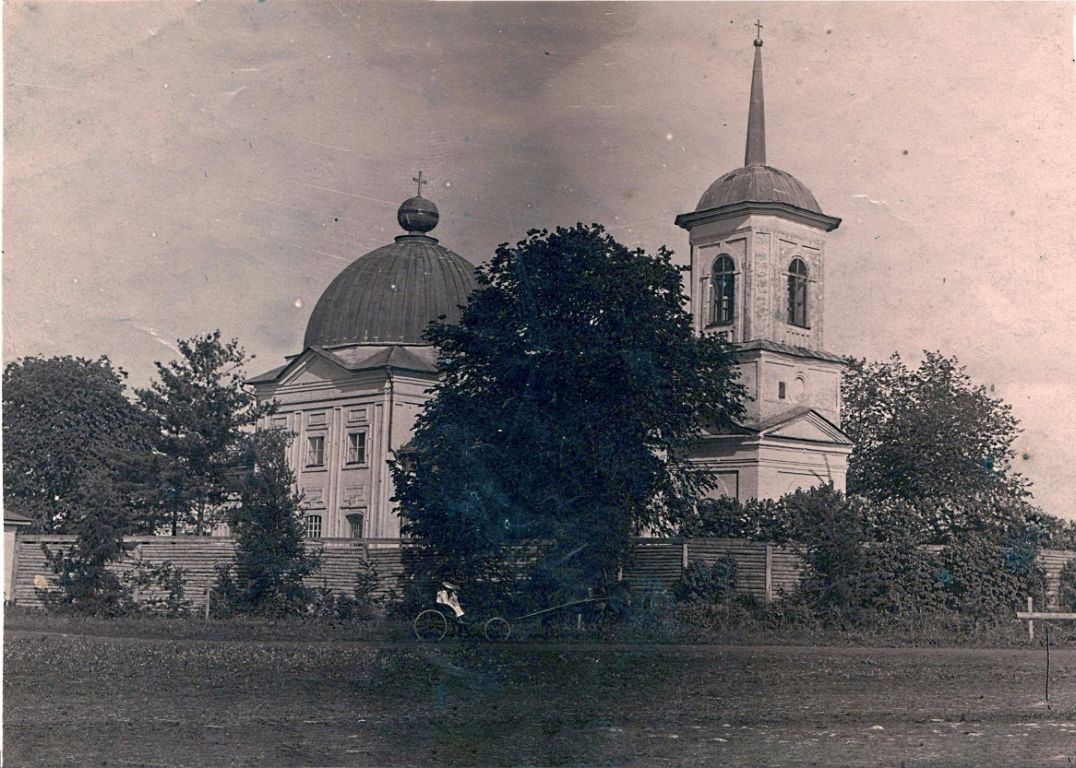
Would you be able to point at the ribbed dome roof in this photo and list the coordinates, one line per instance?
(391, 294)
(758, 184)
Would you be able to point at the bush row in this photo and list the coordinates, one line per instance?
(866, 564)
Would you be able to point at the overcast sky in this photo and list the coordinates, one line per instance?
(171, 168)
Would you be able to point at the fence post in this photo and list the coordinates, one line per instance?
(15, 568)
(683, 557)
(769, 572)
(133, 573)
(1030, 623)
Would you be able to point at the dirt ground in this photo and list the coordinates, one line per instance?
(74, 700)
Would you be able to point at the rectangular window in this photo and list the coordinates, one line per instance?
(355, 522)
(313, 526)
(780, 390)
(356, 448)
(315, 451)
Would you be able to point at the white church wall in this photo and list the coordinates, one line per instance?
(321, 400)
(790, 241)
(777, 382)
(786, 465)
(762, 247)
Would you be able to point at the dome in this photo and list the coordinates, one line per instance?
(391, 294)
(758, 184)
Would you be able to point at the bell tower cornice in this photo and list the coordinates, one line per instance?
(818, 220)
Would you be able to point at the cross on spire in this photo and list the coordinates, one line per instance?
(420, 181)
(758, 32)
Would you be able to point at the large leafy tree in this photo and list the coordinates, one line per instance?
(926, 433)
(71, 437)
(271, 560)
(932, 437)
(201, 409)
(69, 433)
(571, 390)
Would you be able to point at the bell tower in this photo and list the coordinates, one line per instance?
(758, 255)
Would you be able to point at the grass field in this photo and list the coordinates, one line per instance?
(122, 701)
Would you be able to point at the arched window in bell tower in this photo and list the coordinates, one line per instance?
(797, 293)
(723, 300)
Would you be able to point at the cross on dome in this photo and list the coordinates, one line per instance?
(420, 181)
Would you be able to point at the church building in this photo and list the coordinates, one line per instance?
(758, 244)
(352, 395)
(758, 258)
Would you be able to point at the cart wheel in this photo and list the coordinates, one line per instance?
(430, 625)
(497, 630)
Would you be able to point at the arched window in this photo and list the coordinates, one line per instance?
(723, 288)
(797, 293)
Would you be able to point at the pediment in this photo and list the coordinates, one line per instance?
(808, 425)
(313, 367)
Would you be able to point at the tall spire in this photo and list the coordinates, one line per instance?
(756, 117)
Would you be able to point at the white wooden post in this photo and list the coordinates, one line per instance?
(1030, 623)
(769, 572)
(683, 557)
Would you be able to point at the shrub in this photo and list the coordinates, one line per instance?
(86, 586)
(359, 606)
(166, 582)
(754, 519)
(858, 572)
(347, 609)
(985, 581)
(224, 594)
(322, 603)
(367, 582)
(708, 583)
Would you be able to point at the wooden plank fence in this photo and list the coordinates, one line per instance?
(200, 556)
(1052, 561)
(763, 569)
